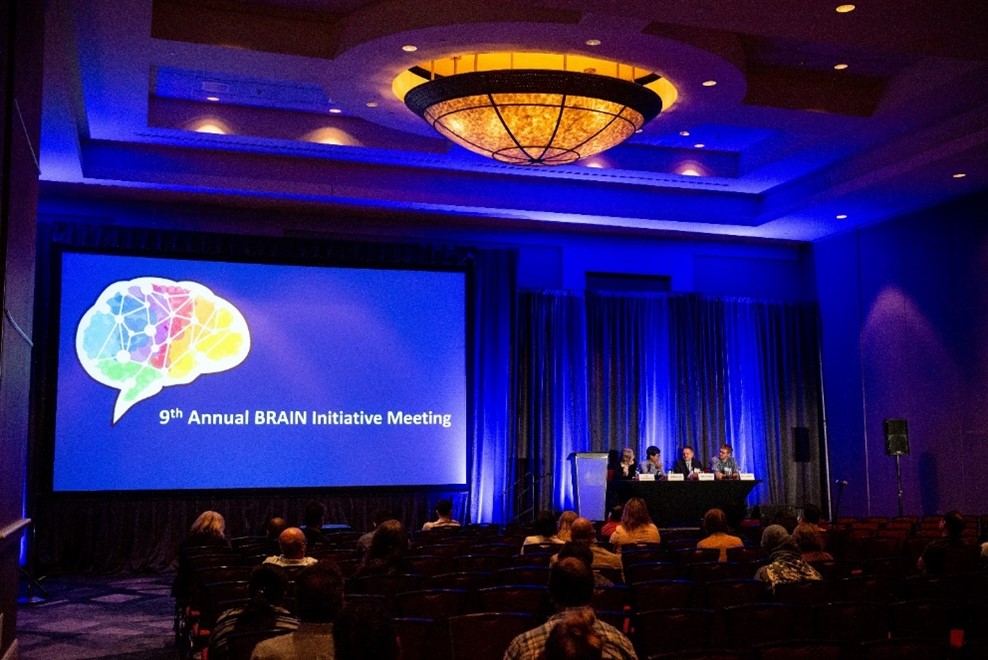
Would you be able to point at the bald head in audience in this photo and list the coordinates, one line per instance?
(292, 542)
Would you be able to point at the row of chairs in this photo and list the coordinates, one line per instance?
(851, 630)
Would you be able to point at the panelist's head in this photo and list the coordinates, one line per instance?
(292, 542)
(653, 454)
(725, 452)
(627, 455)
(687, 453)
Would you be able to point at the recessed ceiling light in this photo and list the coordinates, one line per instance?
(844, 9)
(409, 48)
(592, 42)
(689, 171)
(841, 216)
(212, 98)
(684, 133)
(372, 104)
(335, 111)
(709, 83)
(699, 145)
(595, 165)
(210, 127)
(960, 175)
(638, 131)
(840, 67)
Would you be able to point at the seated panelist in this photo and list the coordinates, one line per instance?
(627, 468)
(689, 465)
(724, 466)
(652, 463)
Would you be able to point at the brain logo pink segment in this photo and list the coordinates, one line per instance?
(148, 333)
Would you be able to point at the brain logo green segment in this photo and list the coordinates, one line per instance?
(148, 333)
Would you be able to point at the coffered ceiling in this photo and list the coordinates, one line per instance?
(290, 102)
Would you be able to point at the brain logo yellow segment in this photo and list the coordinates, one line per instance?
(148, 333)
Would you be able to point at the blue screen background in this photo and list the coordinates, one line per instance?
(321, 339)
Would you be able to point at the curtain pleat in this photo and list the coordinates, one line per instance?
(671, 370)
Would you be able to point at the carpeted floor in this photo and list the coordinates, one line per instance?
(100, 617)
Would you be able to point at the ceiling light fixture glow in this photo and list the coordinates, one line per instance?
(699, 145)
(709, 83)
(506, 106)
(840, 67)
(592, 42)
(959, 175)
(212, 98)
(335, 111)
(409, 48)
(844, 9)
(841, 216)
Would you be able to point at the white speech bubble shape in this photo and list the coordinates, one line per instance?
(148, 333)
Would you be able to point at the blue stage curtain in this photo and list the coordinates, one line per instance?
(670, 370)
(492, 462)
(552, 397)
(630, 389)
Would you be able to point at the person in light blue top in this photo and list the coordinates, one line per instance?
(724, 466)
(652, 463)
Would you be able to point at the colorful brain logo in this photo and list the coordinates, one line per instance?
(148, 333)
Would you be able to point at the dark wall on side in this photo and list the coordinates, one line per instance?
(21, 29)
(905, 336)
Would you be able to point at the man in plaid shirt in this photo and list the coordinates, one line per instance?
(571, 590)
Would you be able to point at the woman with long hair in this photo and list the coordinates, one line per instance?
(386, 554)
(636, 525)
(565, 524)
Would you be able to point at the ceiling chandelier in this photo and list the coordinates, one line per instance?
(533, 108)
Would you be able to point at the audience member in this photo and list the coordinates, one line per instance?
(387, 552)
(208, 530)
(785, 562)
(365, 631)
(263, 613)
(688, 465)
(582, 552)
(724, 466)
(293, 545)
(812, 515)
(545, 531)
(319, 599)
(571, 588)
(582, 531)
(314, 519)
(626, 467)
(636, 525)
(715, 525)
(652, 463)
(274, 527)
(573, 638)
(613, 520)
(811, 543)
(444, 516)
(364, 542)
(566, 519)
(787, 519)
(933, 561)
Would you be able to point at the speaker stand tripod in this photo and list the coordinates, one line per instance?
(898, 481)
